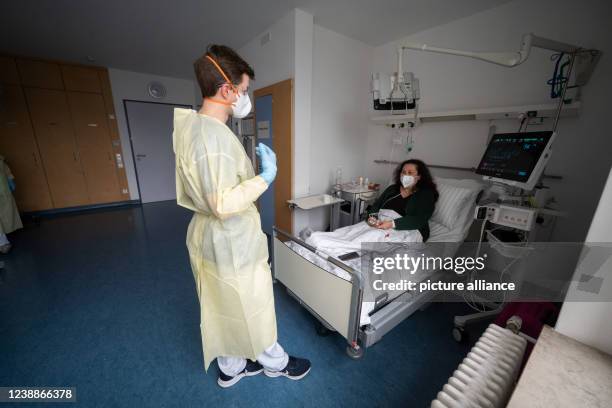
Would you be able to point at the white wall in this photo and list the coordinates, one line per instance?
(288, 54)
(452, 82)
(589, 322)
(340, 100)
(128, 85)
(331, 94)
(302, 116)
(273, 61)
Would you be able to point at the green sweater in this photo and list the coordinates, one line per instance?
(418, 209)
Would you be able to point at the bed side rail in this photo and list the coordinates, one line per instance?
(355, 275)
(356, 300)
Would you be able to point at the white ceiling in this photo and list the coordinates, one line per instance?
(164, 36)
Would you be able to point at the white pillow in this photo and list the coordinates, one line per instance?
(450, 203)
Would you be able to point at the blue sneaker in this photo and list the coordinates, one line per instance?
(296, 369)
(252, 368)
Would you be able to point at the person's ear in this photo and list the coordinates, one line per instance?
(224, 91)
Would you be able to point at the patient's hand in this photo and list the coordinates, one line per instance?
(372, 221)
(385, 225)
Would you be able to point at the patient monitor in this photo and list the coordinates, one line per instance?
(517, 159)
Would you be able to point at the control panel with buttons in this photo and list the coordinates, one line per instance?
(521, 218)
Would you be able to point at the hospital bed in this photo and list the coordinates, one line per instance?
(333, 291)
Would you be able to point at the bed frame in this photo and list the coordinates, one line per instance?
(336, 302)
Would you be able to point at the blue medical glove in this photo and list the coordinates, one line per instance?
(11, 183)
(267, 158)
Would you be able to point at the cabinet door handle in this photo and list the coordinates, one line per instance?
(12, 123)
(74, 154)
(35, 159)
(92, 124)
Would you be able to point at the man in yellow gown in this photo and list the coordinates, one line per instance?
(227, 248)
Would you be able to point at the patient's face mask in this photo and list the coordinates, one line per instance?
(408, 181)
(409, 175)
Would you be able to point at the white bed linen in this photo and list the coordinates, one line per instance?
(349, 239)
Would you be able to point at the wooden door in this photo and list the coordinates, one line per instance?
(18, 146)
(282, 123)
(95, 147)
(114, 133)
(50, 115)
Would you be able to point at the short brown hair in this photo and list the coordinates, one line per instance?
(208, 76)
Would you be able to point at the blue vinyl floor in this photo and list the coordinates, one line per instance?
(105, 302)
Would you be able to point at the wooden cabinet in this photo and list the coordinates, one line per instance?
(114, 131)
(94, 144)
(40, 74)
(8, 71)
(59, 135)
(81, 79)
(56, 140)
(18, 146)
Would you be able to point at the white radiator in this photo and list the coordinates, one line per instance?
(486, 377)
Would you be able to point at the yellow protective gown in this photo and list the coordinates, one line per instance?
(227, 248)
(9, 214)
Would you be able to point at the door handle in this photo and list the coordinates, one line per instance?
(141, 155)
(92, 124)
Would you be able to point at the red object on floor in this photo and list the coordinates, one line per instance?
(534, 315)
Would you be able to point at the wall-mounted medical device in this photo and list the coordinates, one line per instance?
(395, 92)
(517, 159)
(522, 218)
(584, 60)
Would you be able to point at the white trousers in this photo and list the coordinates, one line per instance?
(3, 240)
(273, 358)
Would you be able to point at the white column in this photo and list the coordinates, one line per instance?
(302, 93)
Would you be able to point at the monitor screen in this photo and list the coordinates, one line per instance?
(513, 156)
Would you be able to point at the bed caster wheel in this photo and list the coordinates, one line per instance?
(322, 330)
(355, 353)
(459, 334)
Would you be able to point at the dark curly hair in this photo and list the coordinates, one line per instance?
(425, 181)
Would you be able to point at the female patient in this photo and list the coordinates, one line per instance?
(413, 196)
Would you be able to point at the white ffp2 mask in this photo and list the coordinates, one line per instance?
(407, 181)
(242, 107)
